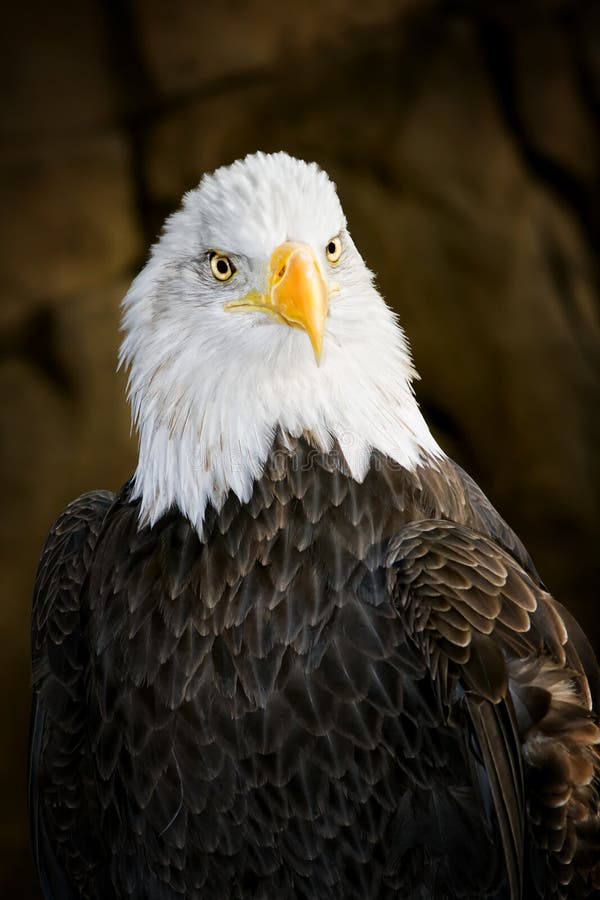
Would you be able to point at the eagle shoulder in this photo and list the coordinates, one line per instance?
(58, 666)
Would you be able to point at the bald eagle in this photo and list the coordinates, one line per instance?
(299, 654)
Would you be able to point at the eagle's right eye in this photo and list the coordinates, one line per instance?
(221, 266)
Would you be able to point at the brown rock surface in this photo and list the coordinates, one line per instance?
(188, 45)
(557, 120)
(72, 221)
(465, 148)
(56, 70)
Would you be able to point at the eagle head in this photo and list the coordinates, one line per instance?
(256, 318)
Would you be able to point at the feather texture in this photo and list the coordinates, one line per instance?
(365, 694)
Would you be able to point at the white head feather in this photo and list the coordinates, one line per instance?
(210, 388)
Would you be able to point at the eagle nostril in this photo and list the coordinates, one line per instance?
(281, 272)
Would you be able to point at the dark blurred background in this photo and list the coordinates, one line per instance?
(464, 138)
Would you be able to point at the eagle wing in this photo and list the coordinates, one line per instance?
(500, 650)
(58, 665)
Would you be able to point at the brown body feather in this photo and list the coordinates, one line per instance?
(342, 690)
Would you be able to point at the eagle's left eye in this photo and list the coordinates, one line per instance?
(221, 266)
(333, 250)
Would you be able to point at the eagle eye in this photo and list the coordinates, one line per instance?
(221, 266)
(333, 250)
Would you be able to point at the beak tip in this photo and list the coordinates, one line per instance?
(316, 341)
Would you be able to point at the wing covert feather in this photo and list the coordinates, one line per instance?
(509, 651)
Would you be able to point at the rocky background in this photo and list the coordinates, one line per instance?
(464, 138)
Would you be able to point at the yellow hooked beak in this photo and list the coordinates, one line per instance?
(296, 294)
